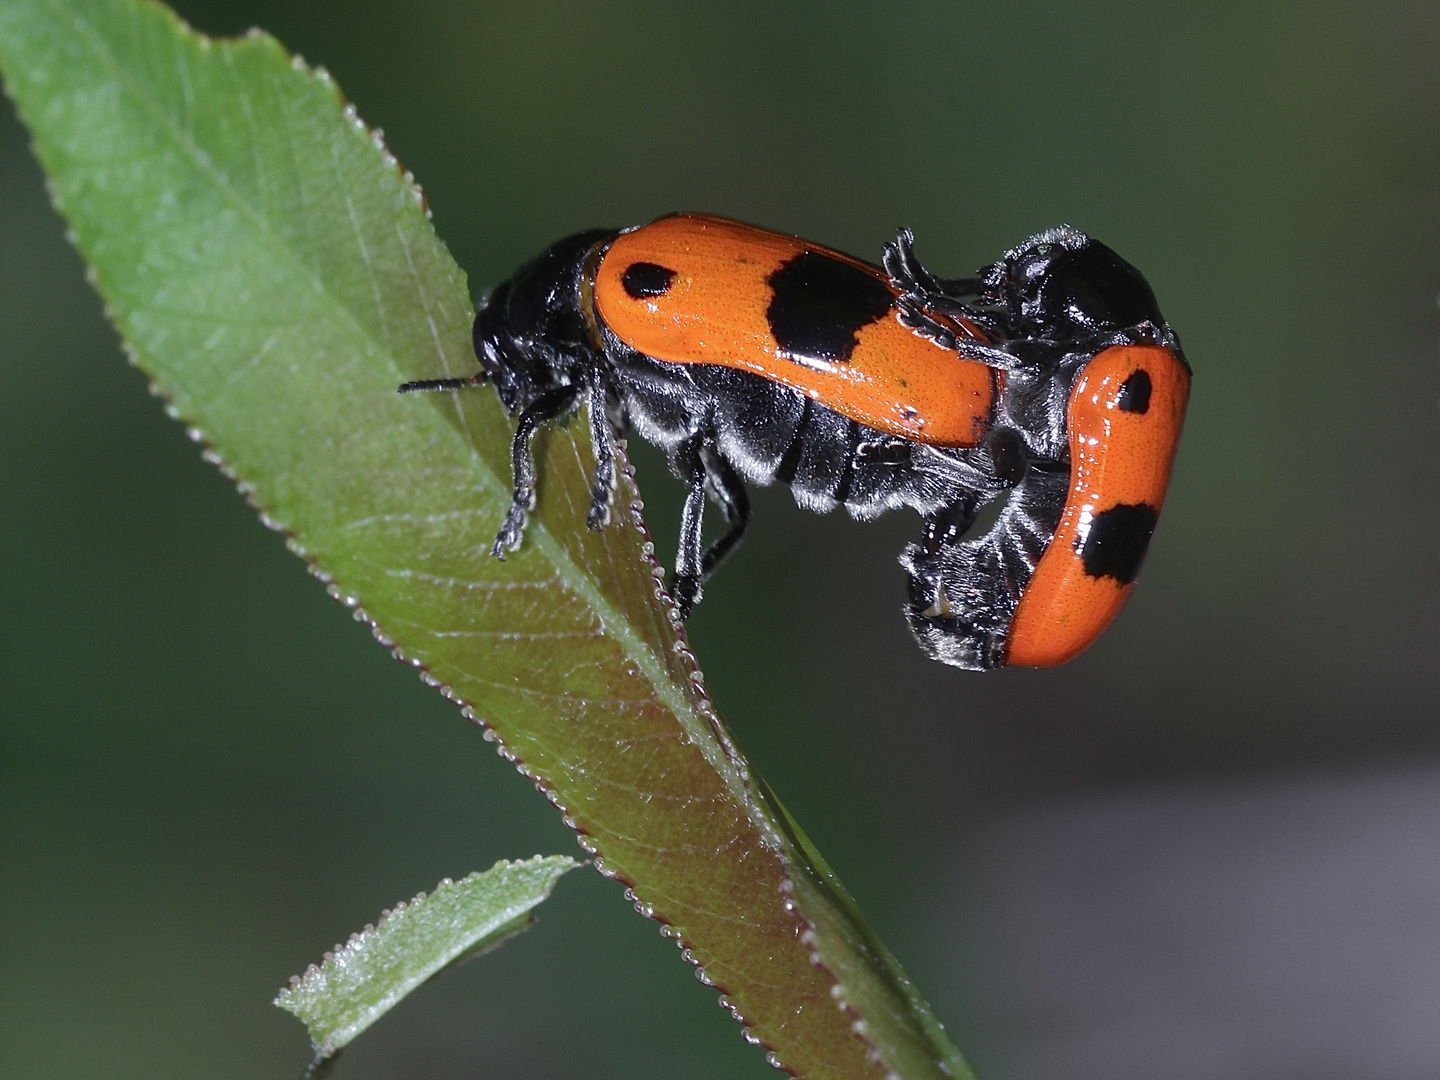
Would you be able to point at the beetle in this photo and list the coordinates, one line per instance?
(1096, 387)
(748, 355)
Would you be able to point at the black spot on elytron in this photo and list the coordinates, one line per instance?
(645, 280)
(1116, 542)
(1135, 393)
(820, 302)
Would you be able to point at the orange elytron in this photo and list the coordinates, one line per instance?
(1125, 417)
(724, 304)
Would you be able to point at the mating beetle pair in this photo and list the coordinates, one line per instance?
(752, 356)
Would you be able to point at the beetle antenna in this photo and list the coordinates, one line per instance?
(441, 384)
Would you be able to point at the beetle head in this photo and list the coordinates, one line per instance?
(1062, 284)
(531, 335)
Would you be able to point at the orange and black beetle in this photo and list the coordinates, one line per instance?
(750, 355)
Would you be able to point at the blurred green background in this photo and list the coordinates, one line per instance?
(209, 773)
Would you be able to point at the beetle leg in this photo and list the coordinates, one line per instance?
(547, 406)
(729, 491)
(1005, 359)
(915, 315)
(947, 525)
(697, 462)
(917, 311)
(906, 272)
(689, 573)
(602, 442)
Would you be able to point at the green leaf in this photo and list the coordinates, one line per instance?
(270, 266)
(371, 973)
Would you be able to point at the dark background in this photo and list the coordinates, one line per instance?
(1210, 847)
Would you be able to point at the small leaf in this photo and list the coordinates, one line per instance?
(371, 973)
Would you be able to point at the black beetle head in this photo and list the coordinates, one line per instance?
(531, 336)
(521, 366)
(1061, 284)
